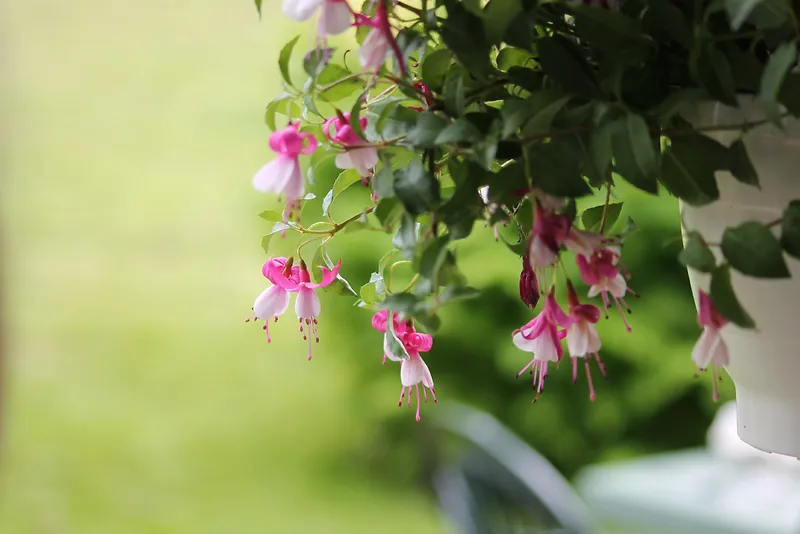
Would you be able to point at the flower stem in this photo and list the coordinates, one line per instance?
(605, 208)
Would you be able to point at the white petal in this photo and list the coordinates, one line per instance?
(544, 349)
(272, 177)
(540, 254)
(336, 18)
(307, 305)
(272, 302)
(522, 343)
(484, 193)
(617, 286)
(577, 340)
(364, 159)
(344, 161)
(594, 290)
(374, 49)
(412, 371)
(295, 186)
(701, 354)
(300, 10)
(719, 352)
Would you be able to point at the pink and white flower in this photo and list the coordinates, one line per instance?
(549, 232)
(283, 175)
(710, 349)
(358, 154)
(335, 15)
(307, 305)
(414, 371)
(542, 337)
(602, 272)
(379, 41)
(274, 301)
(583, 341)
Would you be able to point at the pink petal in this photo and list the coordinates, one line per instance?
(273, 177)
(328, 276)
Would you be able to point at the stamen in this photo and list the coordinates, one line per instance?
(417, 388)
(310, 346)
(402, 394)
(592, 395)
(574, 370)
(601, 365)
(433, 393)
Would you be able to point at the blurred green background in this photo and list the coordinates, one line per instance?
(136, 400)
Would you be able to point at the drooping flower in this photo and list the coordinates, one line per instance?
(414, 371)
(358, 154)
(583, 341)
(274, 301)
(710, 349)
(582, 243)
(379, 41)
(335, 15)
(549, 232)
(283, 175)
(601, 271)
(542, 337)
(528, 285)
(307, 305)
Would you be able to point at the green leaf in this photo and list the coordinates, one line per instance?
(752, 249)
(513, 57)
(336, 83)
(355, 116)
(463, 33)
(497, 17)
(271, 215)
(392, 343)
(555, 168)
(696, 254)
(434, 68)
(687, 173)
(566, 67)
(278, 227)
(316, 60)
(285, 55)
(739, 10)
(515, 113)
(780, 62)
(790, 229)
(740, 165)
(432, 256)
(258, 6)
(429, 126)
(416, 188)
(713, 70)
(458, 131)
(373, 291)
(343, 181)
(388, 211)
(458, 293)
(605, 28)
(406, 237)
(724, 298)
(592, 217)
(274, 107)
(789, 94)
(404, 303)
(635, 155)
(541, 121)
(454, 96)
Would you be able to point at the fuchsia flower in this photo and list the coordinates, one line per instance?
(602, 272)
(550, 231)
(583, 340)
(542, 337)
(335, 15)
(274, 301)
(307, 305)
(379, 41)
(710, 348)
(413, 370)
(363, 159)
(283, 175)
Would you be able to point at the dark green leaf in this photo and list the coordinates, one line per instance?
(513, 57)
(429, 126)
(515, 113)
(458, 293)
(463, 33)
(724, 299)
(555, 168)
(406, 237)
(687, 173)
(458, 131)
(373, 291)
(752, 249)
(635, 155)
(789, 94)
(355, 117)
(780, 62)
(340, 286)
(740, 165)
(605, 28)
(497, 17)
(454, 97)
(432, 256)
(277, 228)
(696, 254)
(337, 83)
(790, 229)
(739, 10)
(285, 55)
(541, 121)
(316, 60)
(416, 188)
(404, 303)
(392, 343)
(388, 211)
(434, 67)
(592, 217)
(713, 70)
(566, 67)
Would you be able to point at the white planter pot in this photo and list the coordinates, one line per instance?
(764, 363)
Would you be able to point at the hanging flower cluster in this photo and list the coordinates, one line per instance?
(459, 115)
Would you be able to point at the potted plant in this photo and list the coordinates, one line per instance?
(454, 113)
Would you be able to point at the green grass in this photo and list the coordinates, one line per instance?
(136, 400)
